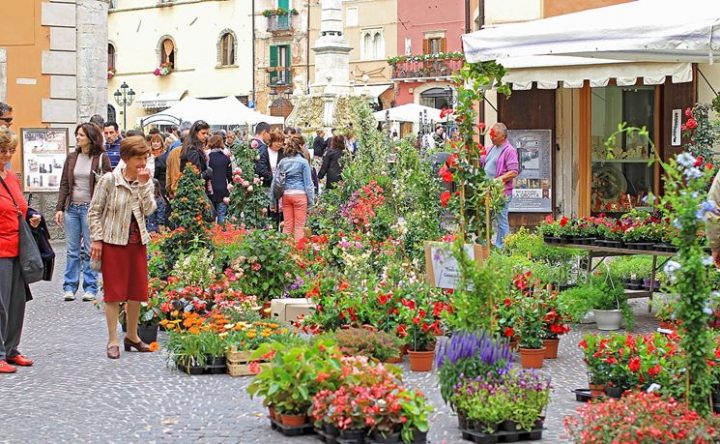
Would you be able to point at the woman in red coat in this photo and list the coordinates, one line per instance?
(12, 286)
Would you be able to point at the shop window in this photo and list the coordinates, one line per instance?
(439, 98)
(621, 175)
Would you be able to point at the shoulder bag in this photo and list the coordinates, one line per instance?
(31, 263)
(278, 183)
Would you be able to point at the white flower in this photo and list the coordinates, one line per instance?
(670, 268)
(707, 260)
(708, 311)
(685, 159)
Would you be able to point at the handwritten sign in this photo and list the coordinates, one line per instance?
(442, 268)
(676, 131)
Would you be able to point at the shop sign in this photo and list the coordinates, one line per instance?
(532, 192)
(43, 156)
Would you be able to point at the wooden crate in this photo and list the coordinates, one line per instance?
(243, 369)
(238, 362)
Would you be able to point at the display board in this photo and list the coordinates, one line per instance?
(43, 155)
(441, 265)
(532, 192)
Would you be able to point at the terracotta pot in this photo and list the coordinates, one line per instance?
(271, 412)
(667, 325)
(265, 310)
(551, 348)
(394, 360)
(293, 420)
(597, 390)
(421, 361)
(532, 357)
(404, 350)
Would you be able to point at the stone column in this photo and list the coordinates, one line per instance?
(92, 61)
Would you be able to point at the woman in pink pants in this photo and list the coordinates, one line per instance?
(298, 192)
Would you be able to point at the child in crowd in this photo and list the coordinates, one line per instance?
(157, 220)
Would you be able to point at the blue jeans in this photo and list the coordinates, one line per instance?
(221, 212)
(77, 229)
(503, 225)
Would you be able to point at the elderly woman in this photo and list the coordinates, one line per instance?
(82, 169)
(119, 237)
(13, 290)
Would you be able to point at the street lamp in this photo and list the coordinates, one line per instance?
(124, 99)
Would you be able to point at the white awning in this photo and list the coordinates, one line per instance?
(225, 111)
(642, 30)
(156, 100)
(408, 113)
(373, 91)
(598, 72)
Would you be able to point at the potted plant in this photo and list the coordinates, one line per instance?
(610, 306)
(598, 367)
(416, 410)
(422, 325)
(187, 352)
(554, 324)
(163, 70)
(532, 350)
(150, 317)
(368, 342)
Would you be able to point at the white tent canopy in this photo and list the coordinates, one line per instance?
(225, 111)
(408, 113)
(642, 30)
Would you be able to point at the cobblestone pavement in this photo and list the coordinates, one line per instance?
(75, 394)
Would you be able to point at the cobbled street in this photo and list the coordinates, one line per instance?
(75, 394)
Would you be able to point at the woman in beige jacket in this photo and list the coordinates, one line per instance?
(122, 200)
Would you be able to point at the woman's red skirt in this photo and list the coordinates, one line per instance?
(124, 270)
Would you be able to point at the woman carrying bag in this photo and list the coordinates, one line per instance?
(13, 288)
(124, 198)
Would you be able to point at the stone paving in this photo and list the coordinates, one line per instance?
(75, 394)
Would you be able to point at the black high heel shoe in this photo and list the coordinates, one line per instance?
(139, 346)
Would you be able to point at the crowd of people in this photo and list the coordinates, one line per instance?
(117, 188)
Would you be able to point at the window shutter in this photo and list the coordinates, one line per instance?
(273, 62)
(284, 4)
(443, 44)
(426, 46)
(287, 56)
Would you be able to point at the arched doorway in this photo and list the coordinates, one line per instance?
(111, 114)
(438, 98)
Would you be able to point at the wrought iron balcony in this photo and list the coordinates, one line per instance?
(280, 23)
(279, 76)
(418, 68)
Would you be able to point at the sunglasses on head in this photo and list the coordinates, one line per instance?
(6, 119)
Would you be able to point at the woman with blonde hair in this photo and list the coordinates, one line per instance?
(119, 237)
(13, 289)
(298, 191)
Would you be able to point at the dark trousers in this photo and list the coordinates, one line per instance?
(12, 306)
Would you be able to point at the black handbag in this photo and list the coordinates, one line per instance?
(31, 263)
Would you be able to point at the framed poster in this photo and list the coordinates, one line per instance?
(532, 192)
(43, 156)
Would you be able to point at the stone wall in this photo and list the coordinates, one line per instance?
(92, 61)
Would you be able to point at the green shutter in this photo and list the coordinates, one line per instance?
(284, 4)
(287, 56)
(273, 62)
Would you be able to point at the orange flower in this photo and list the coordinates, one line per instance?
(154, 347)
(254, 367)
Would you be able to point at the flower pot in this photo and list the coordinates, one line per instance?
(421, 361)
(667, 325)
(265, 310)
(614, 392)
(271, 412)
(386, 438)
(551, 348)
(509, 426)
(608, 320)
(597, 390)
(532, 357)
(331, 430)
(293, 420)
(394, 360)
(148, 333)
(419, 437)
(353, 436)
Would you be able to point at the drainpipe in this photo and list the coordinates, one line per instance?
(481, 23)
(254, 98)
(467, 16)
(307, 51)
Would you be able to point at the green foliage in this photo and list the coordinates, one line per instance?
(631, 267)
(365, 342)
(576, 302)
(249, 200)
(196, 269)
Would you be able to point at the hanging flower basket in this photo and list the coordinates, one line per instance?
(110, 73)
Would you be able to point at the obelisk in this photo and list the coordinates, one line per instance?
(332, 53)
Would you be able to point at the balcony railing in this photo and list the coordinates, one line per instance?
(413, 69)
(280, 23)
(279, 76)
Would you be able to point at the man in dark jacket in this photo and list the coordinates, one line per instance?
(319, 144)
(262, 136)
(112, 143)
(332, 162)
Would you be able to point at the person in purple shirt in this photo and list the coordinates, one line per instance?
(501, 162)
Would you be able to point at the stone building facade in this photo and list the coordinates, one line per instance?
(52, 58)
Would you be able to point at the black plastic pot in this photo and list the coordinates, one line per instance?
(614, 392)
(509, 426)
(331, 430)
(353, 436)
(716, 394)
(419, 437)
(148, 333)
(389, 438)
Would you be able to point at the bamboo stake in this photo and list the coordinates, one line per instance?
(487, 219)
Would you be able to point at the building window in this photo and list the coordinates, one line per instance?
(621, 176)
(111, 57)
(439, 98)
(373, 44)
(408, 46)
(227, 47)
(168, 52)
(280, 65)
(351, 19)
(434, 45)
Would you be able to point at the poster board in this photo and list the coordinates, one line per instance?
(43, 155)
(441, 267)
(532, 191)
